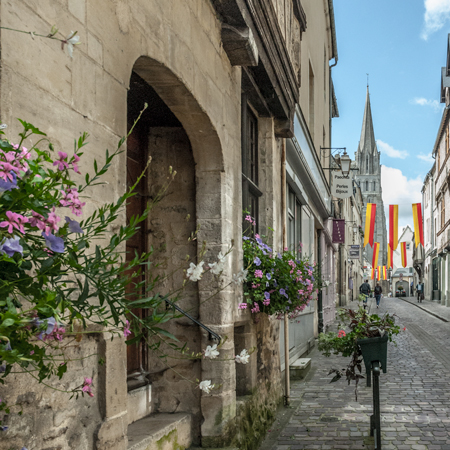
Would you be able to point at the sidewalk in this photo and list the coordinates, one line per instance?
(431, 307)
(414, 393)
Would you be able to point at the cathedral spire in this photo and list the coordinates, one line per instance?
(367, 142)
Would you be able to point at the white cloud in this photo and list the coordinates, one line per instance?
(391, 151)
(437, 12)
(402, 191)
(427, 158)
(434, 104)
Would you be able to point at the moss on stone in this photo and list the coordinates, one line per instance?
(172, 439)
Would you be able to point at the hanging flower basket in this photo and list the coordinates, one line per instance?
(374, 349)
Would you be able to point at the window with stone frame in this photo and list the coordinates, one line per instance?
(442, 212)
(367, 186)
(250, 190)
(294, 221)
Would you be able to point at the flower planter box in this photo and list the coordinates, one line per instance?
(374, 349)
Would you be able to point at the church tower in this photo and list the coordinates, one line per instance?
(367, 159)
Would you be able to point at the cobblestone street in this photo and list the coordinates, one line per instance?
(414, 393)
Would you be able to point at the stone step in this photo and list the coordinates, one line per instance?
(299, 368)
(161, 432)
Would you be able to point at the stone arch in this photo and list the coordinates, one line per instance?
(203, 136)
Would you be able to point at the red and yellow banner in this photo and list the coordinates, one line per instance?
(372, 276)
(384, 273)
(379, 273)
(371, 214)
(403, 249)
(390, 257)
(376, 250)
(418, 225)
(393, 226)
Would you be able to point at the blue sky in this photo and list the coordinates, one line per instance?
(402, 45)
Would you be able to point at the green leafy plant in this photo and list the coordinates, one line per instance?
(359, 325)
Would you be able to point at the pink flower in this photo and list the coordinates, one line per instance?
(258, 273)
(126, 328)
(256, 308)
(341, 333)
(242, 306)
(70, 199)
(5, 171)
(62, 161)
(74, 162)
(87, 386)
(15, 221)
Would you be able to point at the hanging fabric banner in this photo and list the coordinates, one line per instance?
(390, 254)
(384, 273)
(376, 249)
(393, 226)
(403, 249)
(379, 273)
(372, 276)
(418, 225)
(371, 214)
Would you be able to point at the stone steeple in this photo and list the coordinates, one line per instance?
(367, 160)
(367, 141)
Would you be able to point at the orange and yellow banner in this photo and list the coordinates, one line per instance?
(372, 276)
(393, 226)
(371, 214)
(379, 273)
(418, 224)
(403, 249)
(376, 250)
(384, 273)
(390, 257)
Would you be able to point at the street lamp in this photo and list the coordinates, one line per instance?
(345, 163)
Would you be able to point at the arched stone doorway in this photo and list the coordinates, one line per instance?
(176, 132)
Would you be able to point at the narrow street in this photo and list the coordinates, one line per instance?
(414, 393)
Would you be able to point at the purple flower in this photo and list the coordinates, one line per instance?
(266, 295)
(54, 243)
(268, 276)
(245, 238)
(11, 246)
(257, 261)
(3, 428)
(2, 369)
(8, 185)
(259, 241)
(74, 226)
(282, 291)
(279, 255)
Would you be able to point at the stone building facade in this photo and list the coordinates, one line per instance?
(222, 79)
(367, 159)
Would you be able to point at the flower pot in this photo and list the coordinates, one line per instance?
(374, 349)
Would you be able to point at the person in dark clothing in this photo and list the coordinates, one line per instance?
(365, 290)
(378, 292)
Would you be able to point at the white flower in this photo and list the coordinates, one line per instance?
(194, 273)
(211, 352)
(217, 267)
(72, 40)
(243, 357)
(206, 386)
(240, 277)
(3, 126)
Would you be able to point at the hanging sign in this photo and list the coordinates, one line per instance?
(338, 231)
(341, 186)
(354, 252)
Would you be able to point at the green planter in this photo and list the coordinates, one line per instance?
(374, 349)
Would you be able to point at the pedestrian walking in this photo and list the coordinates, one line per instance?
(419, 289)
(412, 289)
(364, 289)
(378, 291)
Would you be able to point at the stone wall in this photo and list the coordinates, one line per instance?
(176, 48)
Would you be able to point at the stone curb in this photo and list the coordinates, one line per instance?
(425, 309)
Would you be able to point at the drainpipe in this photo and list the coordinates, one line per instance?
(287, 395)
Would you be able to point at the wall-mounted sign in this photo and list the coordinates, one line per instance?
(338, 231)
(354, 252)
(341, 186)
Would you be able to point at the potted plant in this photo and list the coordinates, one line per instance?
(366, 339)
